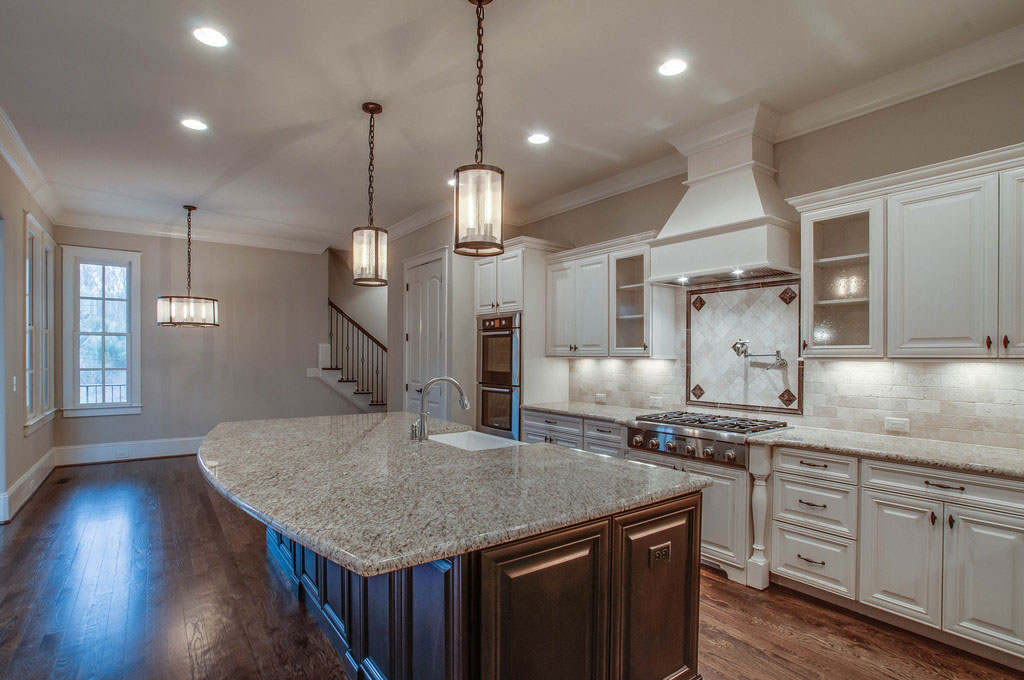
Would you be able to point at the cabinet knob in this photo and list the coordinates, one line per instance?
(988, 342)
(934, 517)
(951, 521)
(1006, 342)
(804, 345)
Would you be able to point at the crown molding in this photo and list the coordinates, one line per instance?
(419, 219)
(603, 247)
(991, 54)
(985, 162)
(759, 120)
(635, 178)
(14, 151)
(124, 226)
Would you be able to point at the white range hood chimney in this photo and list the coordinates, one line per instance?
(732, 218)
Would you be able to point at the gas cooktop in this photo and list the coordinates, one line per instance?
(717, 423)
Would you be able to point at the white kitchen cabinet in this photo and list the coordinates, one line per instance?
(577, 308)
(984, 577)
(1011, 263)
(641, 315)
(943, 259)
(843, 265)
(724, 513)
(539, 426)
(901, 555)
(499, 282)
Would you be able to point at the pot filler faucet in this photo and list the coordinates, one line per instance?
(419, 428)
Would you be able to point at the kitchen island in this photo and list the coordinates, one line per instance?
(423, 560)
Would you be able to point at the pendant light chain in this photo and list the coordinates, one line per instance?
(369, 171)
(188, 282)
(479, 81)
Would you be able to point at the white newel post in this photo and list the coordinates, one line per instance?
(760, 468)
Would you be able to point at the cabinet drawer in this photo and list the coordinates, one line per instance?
(815, 504)
(815, 558)
(547, 421)
(944, 485)
(599, 429)
(816, 464)
(613, 450)
(650, 458)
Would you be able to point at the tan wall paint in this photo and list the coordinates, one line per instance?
(635, 211)
(367, 305)
(462, 358)
(20, 452)
(979, 115)
(273, 314)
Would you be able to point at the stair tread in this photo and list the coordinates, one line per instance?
(352, 380)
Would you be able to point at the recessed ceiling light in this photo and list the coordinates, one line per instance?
(194, 124)
(538, 138)
(672, 67)
(210, 36)
(451, 182)
(737, 271)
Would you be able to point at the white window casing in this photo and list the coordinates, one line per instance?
(38, 288)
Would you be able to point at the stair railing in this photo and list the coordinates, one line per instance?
(359, 357)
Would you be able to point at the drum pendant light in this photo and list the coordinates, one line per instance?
(187, 310)
(370, 243)
(478, 187)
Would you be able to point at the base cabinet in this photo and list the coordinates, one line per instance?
(611, 599)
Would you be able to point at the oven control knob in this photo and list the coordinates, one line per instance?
(653, 443)
(638, 440)
(690, 450)
(730, 456)
(708, 453)
(670, 447)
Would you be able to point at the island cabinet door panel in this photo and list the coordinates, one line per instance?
(655, 582)
(544, 606)
(284, 547)
(433, 607)
(334, 591)
(383, 627)
(309, 571)
(356, 587)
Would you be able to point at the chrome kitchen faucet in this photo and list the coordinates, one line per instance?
(419, 428)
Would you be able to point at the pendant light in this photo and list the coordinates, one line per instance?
(370, 243)
(478, 187)
(187, 310)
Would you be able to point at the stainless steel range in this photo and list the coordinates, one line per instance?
(701, 436)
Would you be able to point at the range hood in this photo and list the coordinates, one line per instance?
(732, 223)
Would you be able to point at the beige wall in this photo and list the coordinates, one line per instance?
(273, 314)
(462, 357)
(20, 452)
(979, 115)
(367, 305)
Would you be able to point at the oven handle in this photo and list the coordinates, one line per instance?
(506, 331)
(485, 388)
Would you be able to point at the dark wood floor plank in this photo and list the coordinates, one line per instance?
(140, 570)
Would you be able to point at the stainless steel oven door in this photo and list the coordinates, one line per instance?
(498, 410)
(499, 356)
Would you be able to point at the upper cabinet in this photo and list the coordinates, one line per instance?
(1011, 263)
(642, 316)
(577, 309)
(843, 262)
(499, 282)
(943, 283)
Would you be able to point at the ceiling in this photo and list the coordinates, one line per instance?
(96, 89)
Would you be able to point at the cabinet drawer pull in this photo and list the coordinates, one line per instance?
(944, 486)
(817, 465)
(810, 561)
(988, 342)
(813, 505)
(551, 422)
(934, 517)
(601, 429)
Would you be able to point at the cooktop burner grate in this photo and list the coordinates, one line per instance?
(713, 422)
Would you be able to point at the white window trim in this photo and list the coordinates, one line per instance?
(42, 289)
(72, 255)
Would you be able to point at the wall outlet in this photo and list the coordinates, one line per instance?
(897, 425)
(600, 398)
(312, 372)
(656, 401)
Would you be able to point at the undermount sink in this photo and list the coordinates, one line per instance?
(472, 440)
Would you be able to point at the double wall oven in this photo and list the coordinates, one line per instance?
(499, 383)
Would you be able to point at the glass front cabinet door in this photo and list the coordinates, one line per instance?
(842, 278)
(630, 303)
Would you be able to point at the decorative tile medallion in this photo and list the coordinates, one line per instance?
(787, 295)
(698, 391)
(698, 304)
(787, 397)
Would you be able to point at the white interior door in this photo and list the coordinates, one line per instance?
(425, 322)
(943, 269)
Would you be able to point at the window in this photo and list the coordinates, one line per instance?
(101, 332)
(39, 273)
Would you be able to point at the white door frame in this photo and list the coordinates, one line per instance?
(444, 253)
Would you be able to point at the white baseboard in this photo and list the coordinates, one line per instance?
(114, 451)
(22, 490)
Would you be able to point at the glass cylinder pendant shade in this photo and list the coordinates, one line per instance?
(369, 256)
(478, 203)
(184, 310)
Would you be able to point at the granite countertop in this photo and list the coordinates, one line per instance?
(993, 460)
(355, 489)
(621, 415)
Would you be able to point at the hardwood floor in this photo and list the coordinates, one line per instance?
(140, 570)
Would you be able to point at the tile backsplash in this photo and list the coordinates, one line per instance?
(980, 402)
